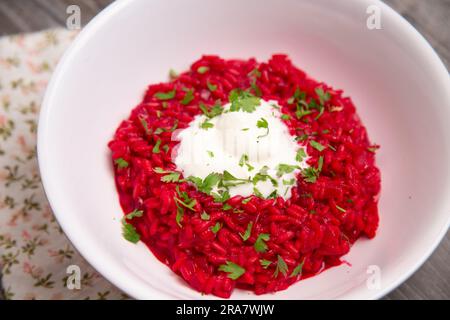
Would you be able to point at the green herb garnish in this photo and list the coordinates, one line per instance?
(316, 145)
(301, 155)
(265, 263)
(263, 124)
(211, 87)
(260, 244)
(166, 95)
(247, 232)
(298, 269)
(281, 267)
(234, 271)
(188, 97)
(203, 69)
(121, 163)
(243, 100)
(156, 147)
(216, 227)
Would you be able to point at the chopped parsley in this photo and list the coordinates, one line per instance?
(221, 196)
(247, 232)
(204, 216)
(211, 87)
(265, 263)
(260, 244)
(179, 216)
(281, 267)
(289, 182)
(156, 147)
(210, 153)
(121, 163)
(134, 214)
(263, 124)
(203, 69)
(285, 168)
(285, 117)
(188, 97)
(206, 125)
(243, 100)
(234, 271)
(129, 233)
(145, 125)
(323, 96)
(257, 193)
(166, 95)
(244, 161)
(301, 155)
(316, 145)
(171, 177)
(311, 174)
(216, 227)
(298, 269)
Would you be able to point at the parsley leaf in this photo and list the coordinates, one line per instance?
(301, 155)
(281, 267)
(179, 216)
(323, 96)
(166, 95)
(260, 245)
(263, 124)
(121, 163)
(156, 147)
(209, 182)
(204, 216)
(247, 232)
(234, 271)
(265, 263)
(203, 69)
(210, 153)
(311, 174)
(298, 269)
(145, 125)
(316, 145)
(211, 87)
(221, 196)
(285, 117)
(206, 125)
(243, 100)
(133, 214)
(244, 161)
(171, 177)
(216, 227)
(129, 232)
(257, 193)
(285, 168)
(188, 97)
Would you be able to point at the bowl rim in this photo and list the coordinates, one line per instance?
(57, 206)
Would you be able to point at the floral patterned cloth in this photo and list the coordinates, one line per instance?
(34, 253)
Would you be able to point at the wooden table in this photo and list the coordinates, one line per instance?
(431, 18)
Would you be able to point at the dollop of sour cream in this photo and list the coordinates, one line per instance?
(254, 147)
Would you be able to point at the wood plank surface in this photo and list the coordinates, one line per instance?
(430, 17)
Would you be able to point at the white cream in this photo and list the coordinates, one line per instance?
(234, 134)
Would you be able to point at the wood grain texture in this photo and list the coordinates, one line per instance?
(431, 18)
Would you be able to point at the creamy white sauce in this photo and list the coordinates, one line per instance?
(234, 137)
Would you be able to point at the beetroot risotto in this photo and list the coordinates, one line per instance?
(208, 233)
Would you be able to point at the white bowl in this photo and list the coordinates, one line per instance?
(398, 83)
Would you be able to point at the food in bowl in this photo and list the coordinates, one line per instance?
(245, 174)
